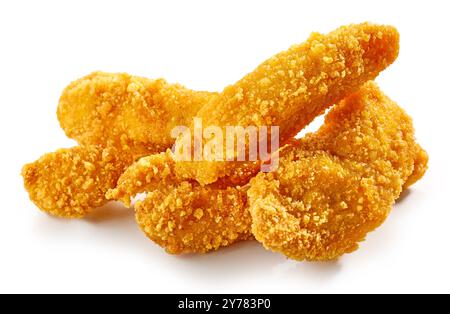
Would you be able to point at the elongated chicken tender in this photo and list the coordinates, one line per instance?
(293, 87)
(289, 90)
(336, 185)
(127, 112)
(71, 182)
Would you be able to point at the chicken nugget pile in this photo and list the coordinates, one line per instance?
(329, 190)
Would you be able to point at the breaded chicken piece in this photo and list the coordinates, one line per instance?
(127, 112)
(71, 182)
(131, 116)
(290, 89)
(189, 218)
(293, 87)
(336, 185)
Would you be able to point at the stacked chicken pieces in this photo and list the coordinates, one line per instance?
(329, 190)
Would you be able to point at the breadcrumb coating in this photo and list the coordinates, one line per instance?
(159, 170)
(189, 218)
(293, 87)
(420, 167)
(131, 116)
(182, 216)
(332, 187)
(147, 174)
(338, 184)
(127, 112)
(71, 182)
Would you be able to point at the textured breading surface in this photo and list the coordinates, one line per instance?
(338, 184)
(127, 112)
(189, 218)
(71, 182)
(130, 116)
(332, 187)
(182, 216)
(291, 88)
(157, 171)
(145, 175)
(300, 84)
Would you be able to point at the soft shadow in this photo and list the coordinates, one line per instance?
(247, 256)
(114, 226)
(403, 196)
(113, 211)
(320, 271)
(249, 259)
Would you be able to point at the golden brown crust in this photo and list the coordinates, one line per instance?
(188, 218)
(293, 87)
(332, 187)
(71, 182)
(356, 54)
(146, 174)
(338, 184)
(127, 112)
(130, 116)
(420, 167)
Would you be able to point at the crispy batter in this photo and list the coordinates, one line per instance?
(147, 174)
(132, 116)
(332, 187)
(338, 184)
(189, 218)
(182, 216)
(293, 87)
(157, 171)
(127, 112)
(420, 167)
(71, 182)
(298, 85)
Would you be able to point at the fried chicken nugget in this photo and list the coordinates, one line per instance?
(117, 114)
(127, 112)
(293, 87)
(336, 185)
(71, 182)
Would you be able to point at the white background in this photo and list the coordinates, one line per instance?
(44, 45)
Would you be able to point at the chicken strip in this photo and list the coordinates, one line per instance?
(290, 89)
(127, 112)
(336, 185)
(71, 182)
(293, 87)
